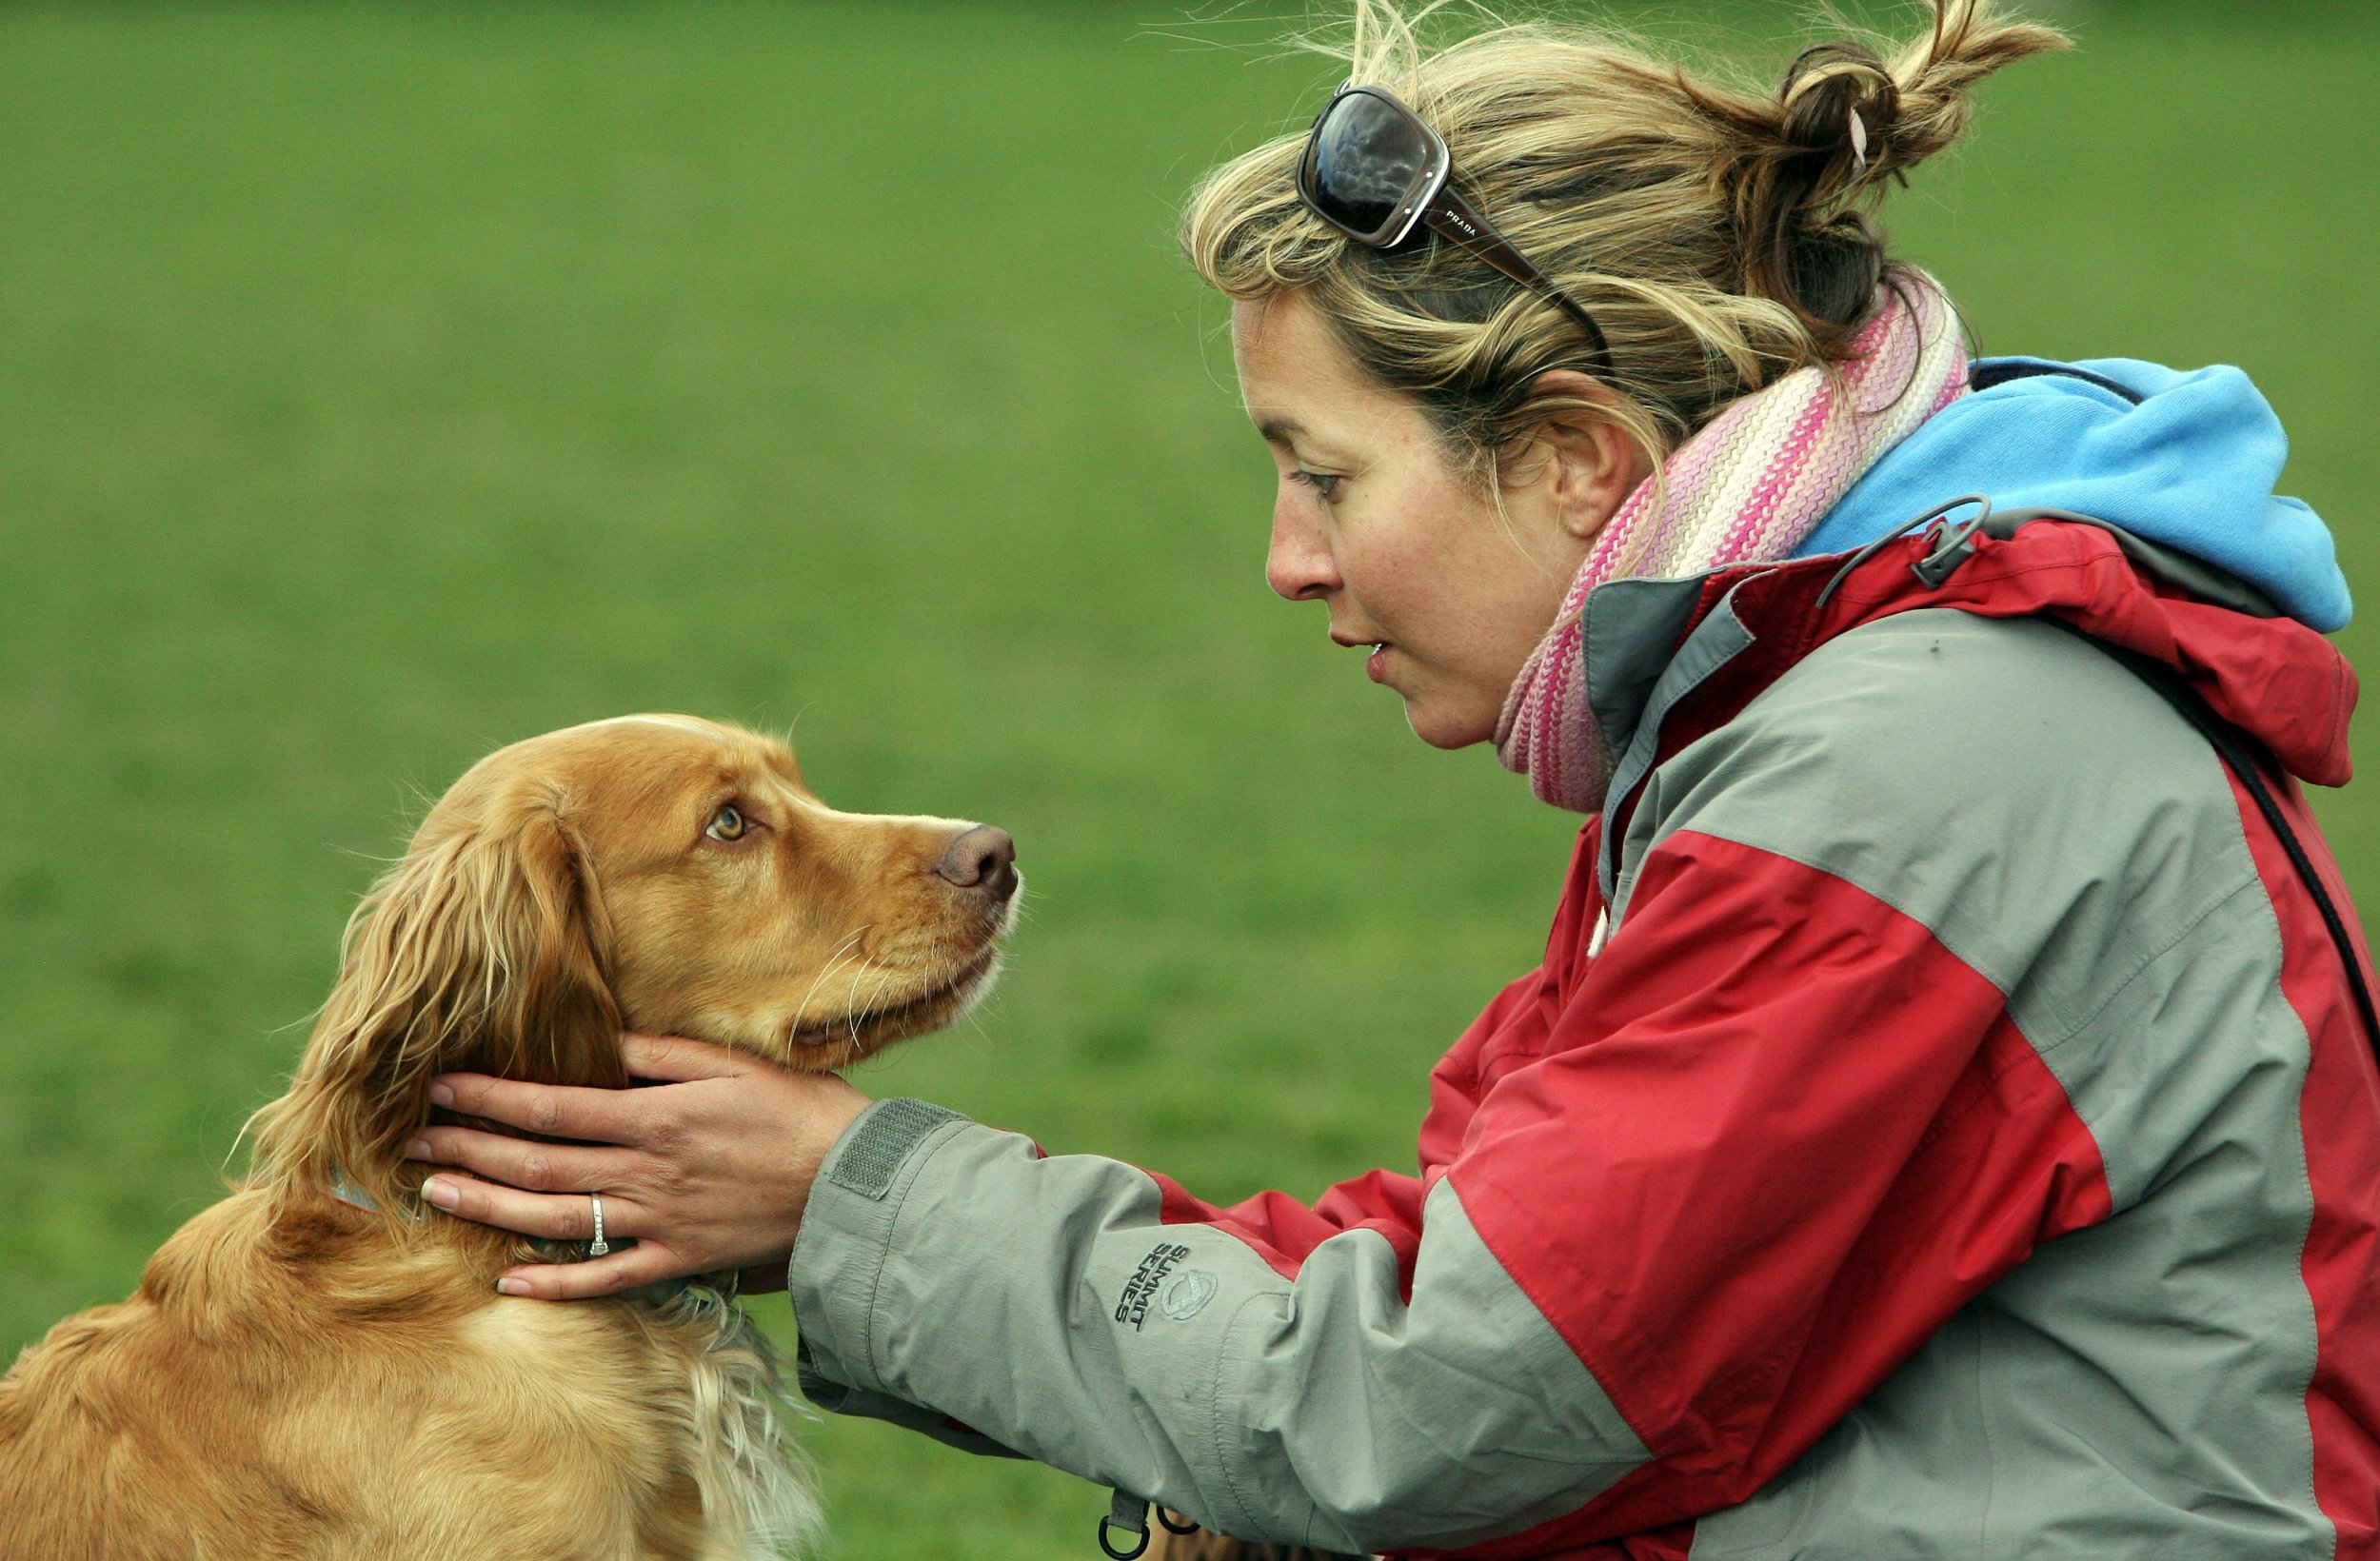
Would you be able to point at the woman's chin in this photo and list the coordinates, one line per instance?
(1442, 724)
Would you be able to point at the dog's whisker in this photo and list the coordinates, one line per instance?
(875, 995)
(832, 960)
(850, 1009)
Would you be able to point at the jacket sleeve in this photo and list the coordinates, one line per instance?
(1765, 1144)
(945, 1269)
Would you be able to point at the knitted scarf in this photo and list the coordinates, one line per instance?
(1747, 489)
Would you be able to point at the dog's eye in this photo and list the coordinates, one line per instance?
(727, 825)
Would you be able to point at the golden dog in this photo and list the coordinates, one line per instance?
(304, 1374)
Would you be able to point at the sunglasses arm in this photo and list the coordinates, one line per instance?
(1452, 217)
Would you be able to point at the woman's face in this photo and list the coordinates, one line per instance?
(1412, 560)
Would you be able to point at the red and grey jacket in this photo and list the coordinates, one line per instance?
(1940, 1127)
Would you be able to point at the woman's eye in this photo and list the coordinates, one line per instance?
(727, 825)
(1323, 484)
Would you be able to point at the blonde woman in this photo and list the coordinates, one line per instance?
(1946, 1120)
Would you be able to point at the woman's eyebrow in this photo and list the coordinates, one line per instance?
(1279, 430)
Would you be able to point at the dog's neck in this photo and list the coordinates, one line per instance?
(342, 1127)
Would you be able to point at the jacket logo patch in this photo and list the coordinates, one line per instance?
(1133, 1305)
(1186, 1295)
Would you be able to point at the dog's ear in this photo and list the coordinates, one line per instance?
(481, 952)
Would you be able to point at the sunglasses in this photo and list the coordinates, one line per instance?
(1374, 169)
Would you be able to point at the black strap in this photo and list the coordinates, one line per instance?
(2229, 741)
(2000, 371)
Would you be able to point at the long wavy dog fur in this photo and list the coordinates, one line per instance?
(306, 1374)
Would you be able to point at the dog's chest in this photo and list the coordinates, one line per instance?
(712, 1391)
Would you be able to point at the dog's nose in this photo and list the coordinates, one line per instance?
(983, 859)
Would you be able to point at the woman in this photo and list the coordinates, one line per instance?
(1942, 1123)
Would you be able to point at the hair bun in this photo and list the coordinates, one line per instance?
(1844, 119)
(1837, 106)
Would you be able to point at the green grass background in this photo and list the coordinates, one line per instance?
(382, 384)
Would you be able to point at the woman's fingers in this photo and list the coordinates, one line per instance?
(524, 1162)
(567, 1217)
(678, 1059)
(558, 1111)
(643, 1264)
(717, 1163)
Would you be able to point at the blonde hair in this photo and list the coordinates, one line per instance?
(1721, 236)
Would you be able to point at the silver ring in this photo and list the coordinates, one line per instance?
(599, 1245)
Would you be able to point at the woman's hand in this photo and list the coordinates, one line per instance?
(711, 1171)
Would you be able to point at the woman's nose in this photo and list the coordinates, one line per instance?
(1298, 565)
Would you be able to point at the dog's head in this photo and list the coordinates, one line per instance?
(653, 873)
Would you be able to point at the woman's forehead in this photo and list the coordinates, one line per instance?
(1296, 377)
(1280, 329)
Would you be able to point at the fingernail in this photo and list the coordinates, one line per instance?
(441, 1191)
(441, 1096)
(513, 1287)
(418, 1148)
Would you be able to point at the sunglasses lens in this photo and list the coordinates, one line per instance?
(1363, 163)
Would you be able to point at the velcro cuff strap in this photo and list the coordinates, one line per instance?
(887, 1135)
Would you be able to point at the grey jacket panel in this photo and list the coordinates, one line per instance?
(840, 1398)
(1173, 1362)
(2135, 1389)
(2057, 827)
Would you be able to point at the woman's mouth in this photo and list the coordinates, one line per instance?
(1376, 664)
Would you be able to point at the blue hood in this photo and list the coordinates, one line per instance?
(2187, 460)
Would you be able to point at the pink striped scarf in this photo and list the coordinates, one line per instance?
(1747, 489)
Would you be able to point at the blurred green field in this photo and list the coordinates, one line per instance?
(380, 384)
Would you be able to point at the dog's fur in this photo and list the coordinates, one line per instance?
(299, 1376)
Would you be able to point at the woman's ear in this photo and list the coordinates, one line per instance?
(479, 952)
(1591, 460)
